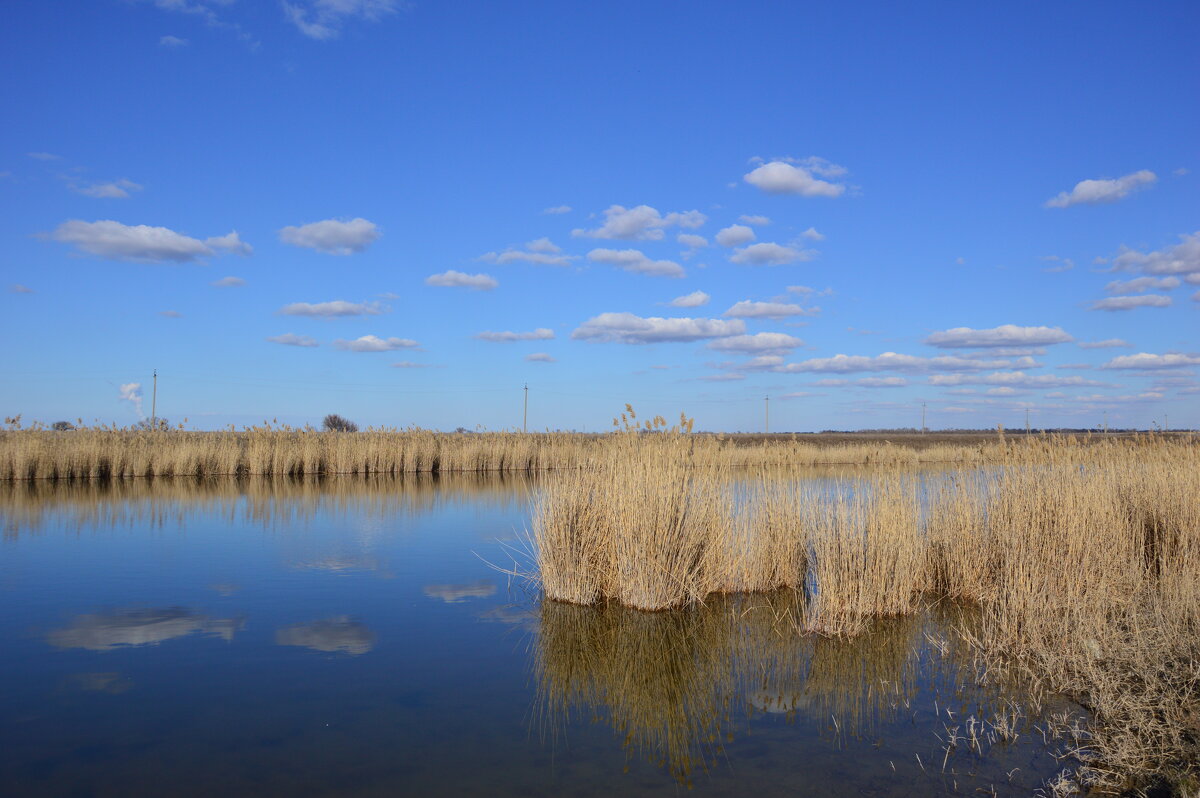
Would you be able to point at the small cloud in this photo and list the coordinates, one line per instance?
(408, 364)
(328, 310)
(770, 254)
(508, 337)
(626, 328)
(541, 251)
(642, 223)
(693, 300)
(782, 177)
(960, 261)
(557, 209)
(757, 221)
(117, 189)
(1119, 303)
(1058, 264)
(373, 343)
(632, 260)
(17, 288)
(170, 314)
(812, 235)
(1092, 192)
(1139, 284)
(734, 235)
(228, 282)
(230, 242)
(172, 42)
(1148, 361)
(291, 339)
(44, 156)
(139, 243)
(131, 392)
(1107, 343)
(323, 19)
(747, 309)
(332, 236)
(540, 357)
(454, 279)
(731, 376)
(1004, 335)
(760, 343)
(691, 240)
(881, 382)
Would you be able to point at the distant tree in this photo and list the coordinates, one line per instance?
(62, 426)
(145, 425)
(335, 423)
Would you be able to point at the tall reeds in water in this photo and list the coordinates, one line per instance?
(1085, 564)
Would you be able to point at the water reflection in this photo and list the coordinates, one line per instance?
(139, 627)
(678, 686)
(110, 683)
(455, 594)
(339, 633)
(29, 505)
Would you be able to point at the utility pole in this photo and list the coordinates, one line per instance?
(154, 403)
(525, 416)
(767, 414)
(922, 418)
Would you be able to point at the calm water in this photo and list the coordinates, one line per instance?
(349, 638)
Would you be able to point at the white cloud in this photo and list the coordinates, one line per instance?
(759, 343)
(228, 282)
(557, 209)
(170, 314)
(408, 364)
(1107, 343)
(291, 339)
(332, 236)
(1091, 192)
(1004, 335)
(1139, 284)
(334, 309)
(17, 288)
(230, 242)
(1117, 303)
(142, 243)
(372, 343)
(891, 361)
(642, 223)
(732, 376)
(1182, 258)
(323, 19)
(1012, 379)
(881, 382)
(132, 392)
(747, 309)
(44, 156)
(780, 177)
(172, 42)
(757, 221)
(813, 235)
(1146, 360)
(632, 260)
(507, 337)
(1060, 264)
(1192, 279)
(770, 254)
(541, 251)
(540, 357)
(453, 279)
(627, 328)
(117, 189)
(692, 300)
(734, 235)
(691, 240)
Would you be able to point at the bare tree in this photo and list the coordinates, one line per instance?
(335, 423)
(62, 426)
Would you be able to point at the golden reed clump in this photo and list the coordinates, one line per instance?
(1083, 560)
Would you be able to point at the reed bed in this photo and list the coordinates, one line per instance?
(1084, 562)
(272, 450)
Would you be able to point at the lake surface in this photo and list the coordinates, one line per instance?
(349, 637)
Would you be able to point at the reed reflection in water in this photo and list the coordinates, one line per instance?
(678, 686)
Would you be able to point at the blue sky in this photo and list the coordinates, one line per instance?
(403, 212)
